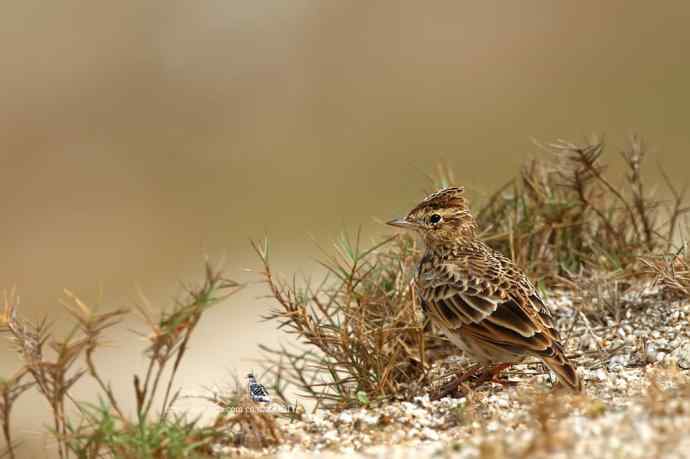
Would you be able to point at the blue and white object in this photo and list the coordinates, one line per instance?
(257, 391)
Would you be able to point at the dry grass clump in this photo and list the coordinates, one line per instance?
(245, 423)
(565, 216)
(672, 272)
(51, 365)
(365, 340)
(564, 220)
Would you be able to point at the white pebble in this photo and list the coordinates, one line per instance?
(345, 417)
(430, 434)
(650, 353)
(600, 375)
(331, 436)
(618, 362)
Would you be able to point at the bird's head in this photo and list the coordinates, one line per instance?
(441, 217)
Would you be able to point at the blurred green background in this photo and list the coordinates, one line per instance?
(138, 137)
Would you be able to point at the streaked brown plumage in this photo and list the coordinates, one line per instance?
(477, 297)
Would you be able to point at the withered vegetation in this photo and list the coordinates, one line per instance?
(53, 365)
(360, 335)
(365, 340)
(564, 219)
(244, 423)
(10, 390)
(672, 272)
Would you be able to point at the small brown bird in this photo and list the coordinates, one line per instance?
(477, 297)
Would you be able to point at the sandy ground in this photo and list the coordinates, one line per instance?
(635, 360)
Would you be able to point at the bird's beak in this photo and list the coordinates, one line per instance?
(402, 223)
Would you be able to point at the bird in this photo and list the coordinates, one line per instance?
(478, 298)
(257, 391)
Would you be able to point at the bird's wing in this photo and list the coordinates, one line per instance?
(485, 295)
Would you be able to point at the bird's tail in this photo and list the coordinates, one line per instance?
(565, 370)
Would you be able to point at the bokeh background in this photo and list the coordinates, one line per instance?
(136, 138)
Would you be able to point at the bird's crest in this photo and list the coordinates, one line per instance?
(446, 197)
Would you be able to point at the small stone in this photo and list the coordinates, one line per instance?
(492, 426)
(600, 375)
(331, 436)
(430, 434)
(592, 345)
(682, 356)
(618, 362)
(345, 417)
(370, 419)
(622, 384)
(423, 400)
(500, 402)
(398, 436)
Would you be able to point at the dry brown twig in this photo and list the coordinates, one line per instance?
(53, 378)
(10, 390)
(672, 272)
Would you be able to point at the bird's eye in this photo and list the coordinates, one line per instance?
(435, 218)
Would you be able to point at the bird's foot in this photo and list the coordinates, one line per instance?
(453, 388)
(492, 374)
(475, 378)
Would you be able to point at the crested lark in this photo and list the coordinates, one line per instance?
(477, 297)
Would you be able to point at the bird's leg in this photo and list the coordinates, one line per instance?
(492, 374)
(459, 379)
